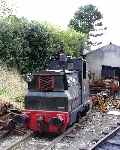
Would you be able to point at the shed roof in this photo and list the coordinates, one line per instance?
(110, 47)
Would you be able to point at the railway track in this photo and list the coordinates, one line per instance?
(43, 143)
(25, 137)
(27, 141)
(78, 142)
(52, 146)
(70, 133)
(9, 139)
(109, 142)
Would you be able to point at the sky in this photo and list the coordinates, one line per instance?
(59, 12)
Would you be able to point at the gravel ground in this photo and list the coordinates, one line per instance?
(33, 143)
(95, 127)
(10, 140)
(4, 144)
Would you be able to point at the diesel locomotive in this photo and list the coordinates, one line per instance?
(58, 96)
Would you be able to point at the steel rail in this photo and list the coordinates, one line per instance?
(111, 134)
(29, 134)
(52, 144)
(66, 133)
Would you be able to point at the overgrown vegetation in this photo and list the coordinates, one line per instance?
(72, 42)
(27, 46)
(12, 86)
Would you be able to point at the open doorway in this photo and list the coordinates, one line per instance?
(109, 72)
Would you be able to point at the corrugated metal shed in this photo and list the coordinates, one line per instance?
(108, 55)
(109, 47)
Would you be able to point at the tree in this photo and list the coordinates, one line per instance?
(87, 19)
(23, 45)
(72, 42)
(28, 45)
(5, 8)
(37, 38)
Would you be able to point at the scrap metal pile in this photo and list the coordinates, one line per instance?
(101, 95)
(9, 118)
(100, 101)
(97, 86)
(116, 104)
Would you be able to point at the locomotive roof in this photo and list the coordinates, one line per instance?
(53, 72)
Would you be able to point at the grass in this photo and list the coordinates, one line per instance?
(12, 86)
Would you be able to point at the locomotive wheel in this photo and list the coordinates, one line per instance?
(83, 113)
(85, 110)
(61, 131)
(78, 117)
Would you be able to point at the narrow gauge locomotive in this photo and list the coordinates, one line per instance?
(57, 97)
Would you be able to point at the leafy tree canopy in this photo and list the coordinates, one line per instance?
(27, 46)
(84, 18)
(73, 42)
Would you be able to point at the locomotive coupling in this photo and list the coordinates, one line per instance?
(43, 126)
